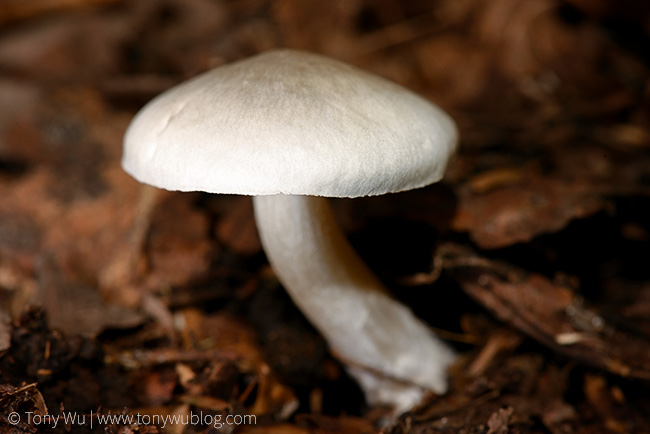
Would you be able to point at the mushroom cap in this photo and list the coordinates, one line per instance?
(289, 122)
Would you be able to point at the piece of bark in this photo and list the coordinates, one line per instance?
(551, 314)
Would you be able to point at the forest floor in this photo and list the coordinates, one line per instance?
(531, 257)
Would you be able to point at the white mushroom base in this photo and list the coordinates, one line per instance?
(394, 357)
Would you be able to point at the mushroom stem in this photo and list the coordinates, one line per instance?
(392, 354)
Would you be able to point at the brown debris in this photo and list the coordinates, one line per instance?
(518, 213)
(552, 314)
(179, 248)
(5, 331)
(237, 229)
(13, 10)
(499, 421)
(497, 344)
(14, 399)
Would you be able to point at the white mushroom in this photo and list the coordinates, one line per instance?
(292, 128)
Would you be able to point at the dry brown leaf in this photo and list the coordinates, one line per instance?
(518, 213)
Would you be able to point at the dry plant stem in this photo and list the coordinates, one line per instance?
(392, 354)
